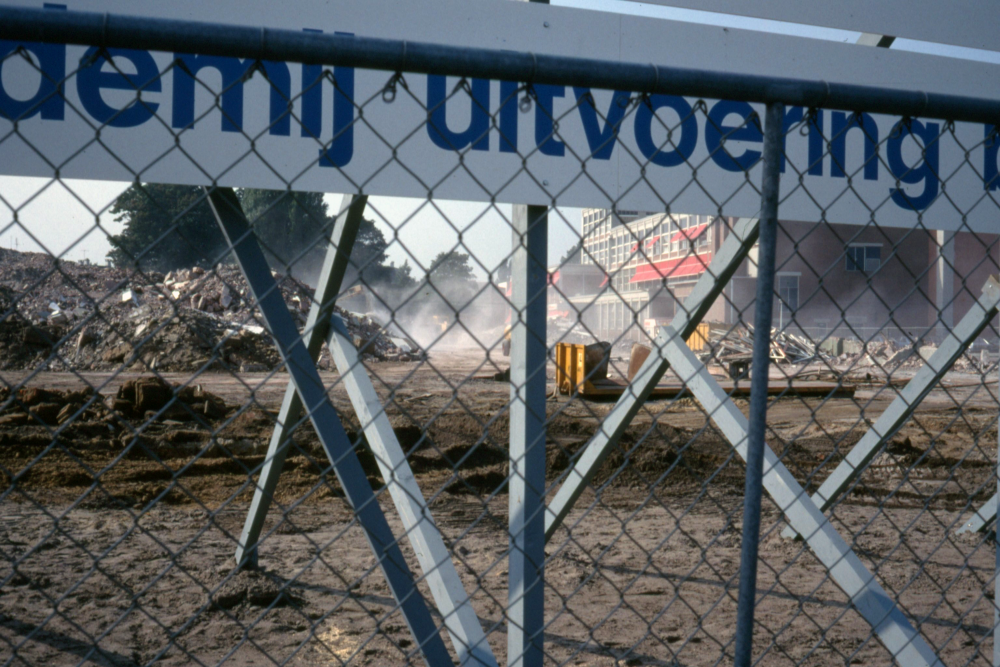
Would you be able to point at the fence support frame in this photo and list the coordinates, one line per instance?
(709, 286)
(889, 422)
(307, 383)
(335, 264)
(753, 488)
(845, 568)
(453, 601)
(526, 485)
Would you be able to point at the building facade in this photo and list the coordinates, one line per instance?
(843, 280)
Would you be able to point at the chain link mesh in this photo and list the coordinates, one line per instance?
(140, 392)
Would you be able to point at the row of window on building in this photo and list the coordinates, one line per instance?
(614, 239)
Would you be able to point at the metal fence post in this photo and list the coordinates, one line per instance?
(758, 385)
(526, 488)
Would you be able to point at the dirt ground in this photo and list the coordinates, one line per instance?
(117, 534)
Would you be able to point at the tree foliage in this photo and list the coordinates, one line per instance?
(452, 277)
(167, 227)
(288, 224)
(452, 266)
(574, 255)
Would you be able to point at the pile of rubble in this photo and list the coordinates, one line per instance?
(66, 315)
(137, 400)
(728, 344)
(889, 355)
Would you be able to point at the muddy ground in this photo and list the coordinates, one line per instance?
(117, 531)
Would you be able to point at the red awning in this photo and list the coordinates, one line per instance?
(691, 233)
(691, 265)
(651, 241)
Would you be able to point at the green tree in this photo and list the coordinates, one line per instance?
(573, 255)
(402, 276)
(172, 226)
(452, 266)
(369, 254)
(451, 275)
(165, 227)
(290, 225)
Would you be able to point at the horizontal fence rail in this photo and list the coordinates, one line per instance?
(244, 424)
(109, 30)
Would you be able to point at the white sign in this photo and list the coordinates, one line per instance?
(356, 138)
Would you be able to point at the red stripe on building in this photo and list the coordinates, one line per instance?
(691, 265)
(690, 234)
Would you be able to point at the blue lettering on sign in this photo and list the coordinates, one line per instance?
(233, 72)
(99, 73)
(991, 170)
(601, 141)
(814, 124)
(478, 131)
(927, 168)
(545, 125)
(508, 116)
(341, 148)
(841, 124)
(683, 147)
(717, 134)
(48, 100)
(93, 78)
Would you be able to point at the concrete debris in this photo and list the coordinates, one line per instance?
(728, 344)
(63, 315)
(735, 344)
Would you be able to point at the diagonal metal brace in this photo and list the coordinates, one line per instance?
(733, 251)
(983, 517)
(846, 569)
(452, 600)
(305, 378)
(335, 265)
(899, 411)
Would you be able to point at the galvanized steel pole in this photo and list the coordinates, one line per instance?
(758, 384)
(526, 488)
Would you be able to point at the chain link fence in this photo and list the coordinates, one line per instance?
(270, 426)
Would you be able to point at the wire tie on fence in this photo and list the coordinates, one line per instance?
(525, 102)
(389, 91)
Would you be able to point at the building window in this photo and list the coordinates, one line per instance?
(864, 258)
(788, 297)
(788, 291)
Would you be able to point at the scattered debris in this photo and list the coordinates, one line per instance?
(137, 400)
(63, 315)
(729, 344)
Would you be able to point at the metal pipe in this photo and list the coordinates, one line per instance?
(526, 485)
(758, 383)
(133, 32)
